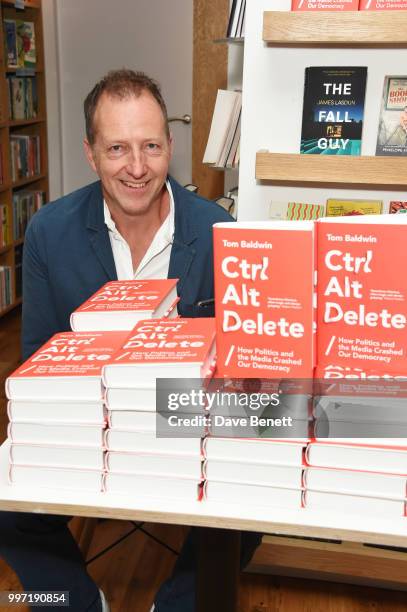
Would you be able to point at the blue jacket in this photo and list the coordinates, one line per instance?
(67, 257)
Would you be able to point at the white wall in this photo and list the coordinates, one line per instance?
(273, 85)
(86, 38)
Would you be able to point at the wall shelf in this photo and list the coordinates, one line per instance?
(352, 28)
(372, 172)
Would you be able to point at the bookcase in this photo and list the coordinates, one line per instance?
(279, 45)
(23, 142)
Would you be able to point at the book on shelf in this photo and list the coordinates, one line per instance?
(31, 411)
(362, 293)
(264, 291)
(253, 473)
(35, 477)
(352, 207)
(57, 456)
(70, 434)
(396, 207)
(119, 305)
(137, 462)
(224, 134)
(270, 452)
(382, 5)
(25, 156)
(367, 456)
(22, 97)
(295, 211)
(67, 367)
(163, 348)
(248, 495)
(5, 233)
(356, 482)
(10, 42)
(26, 44)
(392, 131)
(147, 442)
(152, 487)
(25, 204)
(329, 5)
(236, 23)
(332, 118)
(6, 287)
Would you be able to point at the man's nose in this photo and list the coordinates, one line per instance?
(136, 163)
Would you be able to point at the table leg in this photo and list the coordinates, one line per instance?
(218, 570)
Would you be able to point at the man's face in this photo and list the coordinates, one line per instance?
(131, 153)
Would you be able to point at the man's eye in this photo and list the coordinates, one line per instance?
(152, 146)
(115, 148)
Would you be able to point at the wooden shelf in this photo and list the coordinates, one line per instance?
(353, 28)
(370, 172)
(27, 181)
(4, 311)
(27, 4)
(23, 122)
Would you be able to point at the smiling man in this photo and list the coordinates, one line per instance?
(135, 222)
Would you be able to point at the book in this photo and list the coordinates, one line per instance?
(161, 348)
(30, 411)
(253, 473)
(235, 28)
(136, 420)
(51, 433)
(56, 456)
(342, 207)
(392, 131)
(131, 399)
(396, 207)
(355, 482)
(181, 466)
(264, 288)
(270, 452)
(248, 495)
(321, 5)
(367, 457)
(10, 41)
(353, 504)
(358, 409)
(295, 211)
(56, 478)
(119, 305)
(362, 295)
(67, 367)
(26, 48)
(223, 127)
(146, 442)
(148, 486)
(332, 118)
(382, 5)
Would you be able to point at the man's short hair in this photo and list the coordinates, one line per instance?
(121, 84)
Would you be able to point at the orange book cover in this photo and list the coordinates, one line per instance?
(68, 366)
(264, 284)
(163, 348)
(322, 5)
(120, 304)
(382, 5)
(362, 293)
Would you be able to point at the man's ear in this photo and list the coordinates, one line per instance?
(89, 154)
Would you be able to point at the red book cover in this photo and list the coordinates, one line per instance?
(163, 348)
(120, 304)
(264, 290)
(362, 293)
(322, 5)
(68, 366)
(382, 5)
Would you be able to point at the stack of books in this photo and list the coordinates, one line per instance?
(56, 412)
(143, 454)
(256, 472)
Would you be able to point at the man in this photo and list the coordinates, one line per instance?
(136, 222)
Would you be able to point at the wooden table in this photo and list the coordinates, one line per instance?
(219, 546)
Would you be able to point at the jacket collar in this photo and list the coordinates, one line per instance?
(98, 233)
